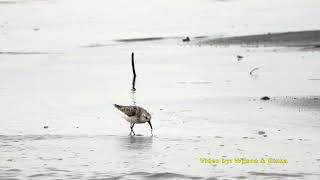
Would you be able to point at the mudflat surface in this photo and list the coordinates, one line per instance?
(305, 39)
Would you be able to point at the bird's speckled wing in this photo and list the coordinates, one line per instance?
(128, 110)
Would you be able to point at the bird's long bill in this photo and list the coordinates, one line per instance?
(150, 127)
(150, 124)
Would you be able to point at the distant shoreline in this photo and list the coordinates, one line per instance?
(304, 39)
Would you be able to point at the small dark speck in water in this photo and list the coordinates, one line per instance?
(265, 98)
(265, 135)
(187, 39)
(45, 127)
(261, 132)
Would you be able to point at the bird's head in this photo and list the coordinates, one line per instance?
(146, 116)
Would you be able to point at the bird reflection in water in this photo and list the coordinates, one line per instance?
(137, 142)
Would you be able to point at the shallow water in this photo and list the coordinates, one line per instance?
(79, 88)
(144, 157)
(64, 68)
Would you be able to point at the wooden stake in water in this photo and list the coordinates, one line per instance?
(132, 63)
(134, 72)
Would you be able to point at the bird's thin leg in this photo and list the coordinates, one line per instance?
(132, 129)
(150, 127)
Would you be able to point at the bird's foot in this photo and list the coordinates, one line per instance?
(132, 133)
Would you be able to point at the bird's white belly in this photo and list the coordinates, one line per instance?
(132, 119)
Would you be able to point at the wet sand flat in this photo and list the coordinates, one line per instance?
(306, 39)
(275, 132)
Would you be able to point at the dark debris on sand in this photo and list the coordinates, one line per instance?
(265, 98)
(187, 39)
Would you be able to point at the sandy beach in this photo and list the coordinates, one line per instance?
(63, 64)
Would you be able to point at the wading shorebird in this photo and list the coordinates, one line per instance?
(135, 115)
